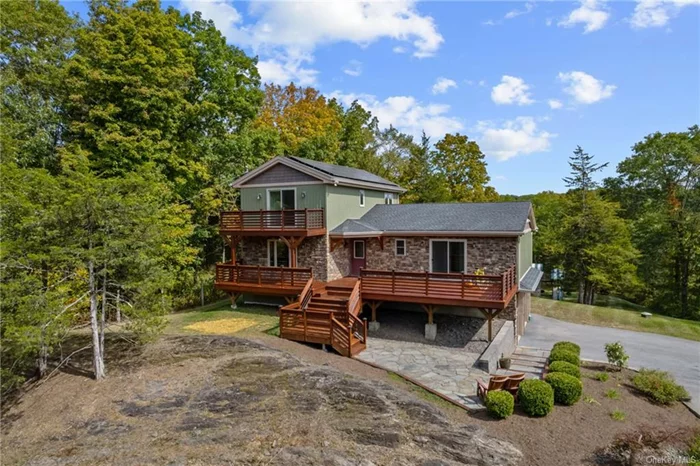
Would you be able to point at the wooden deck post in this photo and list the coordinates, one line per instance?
(430, 309)
(234, 298)
(373, 305)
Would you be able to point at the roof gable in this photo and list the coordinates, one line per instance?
(279, 174)
(290, 170)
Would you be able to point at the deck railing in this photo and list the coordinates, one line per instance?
(257, 275)
(457, 286)
(276, 220)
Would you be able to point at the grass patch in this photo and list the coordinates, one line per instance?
(220, 319)
(590, 400)
(618, 415)
(627, 317)
(601, 376)
(612, 394)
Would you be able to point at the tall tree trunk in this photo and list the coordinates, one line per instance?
(102, 316)
(581, 291)
(97, 361)
(119, 313)
(42, 358)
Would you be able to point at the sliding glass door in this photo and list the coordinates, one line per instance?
(279, 199)
(448, 256)
(277, 253)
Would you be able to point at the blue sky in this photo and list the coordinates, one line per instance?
(528, 81)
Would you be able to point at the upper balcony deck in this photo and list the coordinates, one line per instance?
(287, 222)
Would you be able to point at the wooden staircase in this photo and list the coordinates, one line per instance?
(327, 313)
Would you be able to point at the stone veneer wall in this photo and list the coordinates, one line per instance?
(339, 261)
(312, 252)
(494, 255)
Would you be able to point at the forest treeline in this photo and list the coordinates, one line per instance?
(122, 132)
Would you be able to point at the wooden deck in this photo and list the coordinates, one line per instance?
(277, 281)
(287, 222)
(448, 289)
(326, 313)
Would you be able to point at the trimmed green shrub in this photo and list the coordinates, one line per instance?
(566, 368)
(660, 386)
(567, 388)
(560, 354)
(536, 397)
(568, 346)
(499, 404)
(616, 354)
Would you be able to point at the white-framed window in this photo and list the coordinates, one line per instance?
(390, 198)
(362, 198)
(400, 247)
(448, 256)
(358, 249)
(281, 198)
(278, 254)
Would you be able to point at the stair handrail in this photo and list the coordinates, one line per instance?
(306, 294)
(354, 307)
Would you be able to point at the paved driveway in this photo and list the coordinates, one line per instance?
(675, 355)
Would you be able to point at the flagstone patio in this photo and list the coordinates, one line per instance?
(448, 371)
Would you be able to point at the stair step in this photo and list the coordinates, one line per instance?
(332, 302)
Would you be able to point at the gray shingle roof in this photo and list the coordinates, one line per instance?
(354, 226)
(345, 172)
(470, 217)
(531, 280)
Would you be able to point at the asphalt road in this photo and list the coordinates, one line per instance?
(678, 356)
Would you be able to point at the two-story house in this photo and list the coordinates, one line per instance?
(332, 239)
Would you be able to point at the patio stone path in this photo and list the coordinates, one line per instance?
(448, 371)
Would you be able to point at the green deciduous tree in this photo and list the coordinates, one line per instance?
(36, 38)
(420, 178)
(659, 188)
(461, 163)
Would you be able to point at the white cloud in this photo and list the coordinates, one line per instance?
(406, 113)
(443, 85)
(482, 83)
(282, 69)
(512, 138)
(511, 90)
(584, 88)
(657, 13)
(353, 68)
(515, 13)
(282, 31)
(399, 49)
(555, 104)
(592, 14)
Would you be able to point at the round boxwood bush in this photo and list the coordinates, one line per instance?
(566, 368)
(568, 346)
(567, 388)
(536, 397)
(559, 354)
(499, 404)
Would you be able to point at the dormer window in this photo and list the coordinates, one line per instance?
(362, 198)
(389, 198)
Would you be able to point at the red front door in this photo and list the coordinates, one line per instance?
(357, 257)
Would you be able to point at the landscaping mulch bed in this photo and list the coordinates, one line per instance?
(453, 331)
(576, 434)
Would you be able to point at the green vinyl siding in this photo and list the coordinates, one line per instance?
(308, 196)
(524, 253)
(343, 203)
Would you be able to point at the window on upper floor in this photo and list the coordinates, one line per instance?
(390, 198)
(362, 198)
